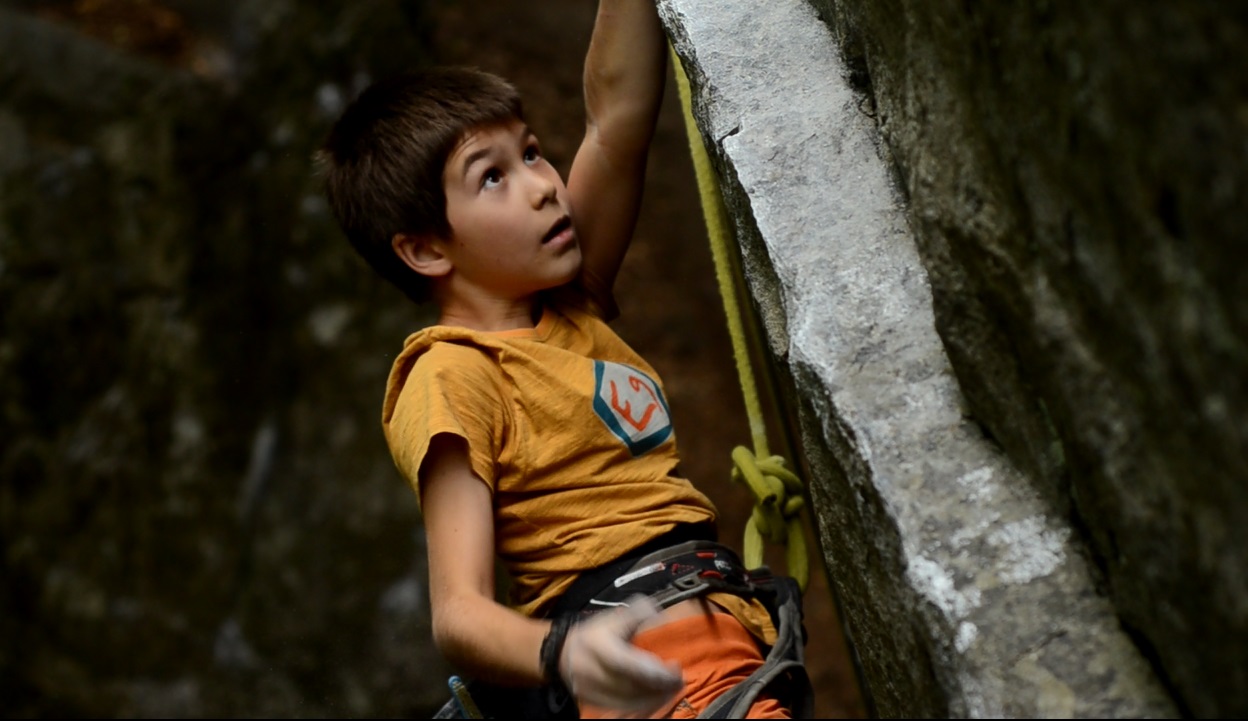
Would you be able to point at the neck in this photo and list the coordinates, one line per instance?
(490, 314)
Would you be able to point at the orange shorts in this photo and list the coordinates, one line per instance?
(715, 653)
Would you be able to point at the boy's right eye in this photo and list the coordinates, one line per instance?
(491, 178)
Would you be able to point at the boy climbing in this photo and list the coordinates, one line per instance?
(528, 429)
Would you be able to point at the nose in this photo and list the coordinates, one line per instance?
(544, 189)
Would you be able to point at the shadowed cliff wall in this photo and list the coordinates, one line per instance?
(198, 513)
(1077, 176)
(998, 251)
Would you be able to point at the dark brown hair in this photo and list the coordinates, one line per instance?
(383, 160)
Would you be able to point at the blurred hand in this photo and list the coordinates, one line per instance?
(602, 667)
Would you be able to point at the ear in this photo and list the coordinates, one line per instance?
(424, 253)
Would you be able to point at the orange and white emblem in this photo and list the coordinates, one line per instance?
(632, 406)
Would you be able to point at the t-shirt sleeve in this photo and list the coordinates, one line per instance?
(449, 389)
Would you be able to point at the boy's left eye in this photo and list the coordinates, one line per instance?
(531, 154)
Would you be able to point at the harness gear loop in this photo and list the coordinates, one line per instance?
(777, 490)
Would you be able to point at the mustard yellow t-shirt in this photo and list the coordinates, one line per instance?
(566, 425)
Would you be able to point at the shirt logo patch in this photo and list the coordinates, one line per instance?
(631, 405)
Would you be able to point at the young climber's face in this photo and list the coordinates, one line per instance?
(511, 226)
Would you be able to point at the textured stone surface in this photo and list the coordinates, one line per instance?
(1077, 176)
(966, 593)
(198, 516)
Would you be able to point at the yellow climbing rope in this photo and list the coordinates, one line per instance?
(776, 489)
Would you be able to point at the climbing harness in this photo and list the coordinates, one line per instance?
(668, 576)
(696, 568)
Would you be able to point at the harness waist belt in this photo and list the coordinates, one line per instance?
(687, 570)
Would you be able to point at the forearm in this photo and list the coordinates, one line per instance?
(624, 74)
(488, 640)
(598, 663)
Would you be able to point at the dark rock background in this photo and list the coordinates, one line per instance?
(198, 515)
(1077, 177)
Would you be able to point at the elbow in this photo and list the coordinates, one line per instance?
(623, 116)
(448, 637)
(623, 141)
(453, 632)
(443, 637)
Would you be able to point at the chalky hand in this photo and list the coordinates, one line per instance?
(601, 667)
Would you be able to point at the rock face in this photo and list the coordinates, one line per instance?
(996, 250)
(192, 490)
(1077, 180)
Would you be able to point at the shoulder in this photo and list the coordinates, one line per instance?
(441, 361)
(453, 368)
(445, 388)
(451, 359)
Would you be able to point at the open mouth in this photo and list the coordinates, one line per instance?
(564, 223)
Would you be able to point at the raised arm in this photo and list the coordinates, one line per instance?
(625, 69)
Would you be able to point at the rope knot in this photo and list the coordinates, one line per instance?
(776, 517)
